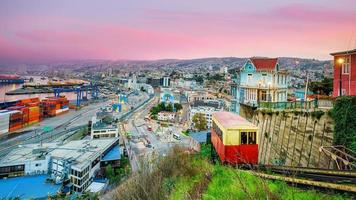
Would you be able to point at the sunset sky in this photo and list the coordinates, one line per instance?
(51, 30)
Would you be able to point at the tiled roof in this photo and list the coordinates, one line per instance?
(264, 63)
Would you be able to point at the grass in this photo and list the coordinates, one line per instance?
(228, 183)
(191, 176)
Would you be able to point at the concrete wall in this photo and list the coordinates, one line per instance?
(293, 139)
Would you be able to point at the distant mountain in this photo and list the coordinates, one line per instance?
(100, 65)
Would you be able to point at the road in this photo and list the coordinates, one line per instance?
(145, 143)
(62, 125)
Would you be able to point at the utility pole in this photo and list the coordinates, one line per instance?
(306, 91)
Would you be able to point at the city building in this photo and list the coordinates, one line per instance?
(259, 80)
(100, 129)
(206, 108)
(157, 82)
(344, 73)
(154, 82)
(165, 81)
(185, 83)
(223, 70)
(193, 96)
(73, 164)
(168, 96)
(166, 116)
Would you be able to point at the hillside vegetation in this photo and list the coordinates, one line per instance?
(181, 175)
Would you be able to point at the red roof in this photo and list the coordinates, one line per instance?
(264, 63)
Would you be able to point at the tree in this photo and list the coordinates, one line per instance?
(107, 120)
(169, 108)
(109, 172)
(178, 106)
(324, 87)
(199, 79)
(199, 121)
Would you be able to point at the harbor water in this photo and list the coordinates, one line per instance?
(4, 88)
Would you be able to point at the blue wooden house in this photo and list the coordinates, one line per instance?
(260, 80)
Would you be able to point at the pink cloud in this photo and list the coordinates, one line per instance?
(292, 30)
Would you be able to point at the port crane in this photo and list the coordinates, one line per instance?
(81, 91)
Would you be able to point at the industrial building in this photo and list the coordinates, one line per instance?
(99, 129)
(73, 164)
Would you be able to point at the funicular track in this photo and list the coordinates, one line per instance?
(340, 180)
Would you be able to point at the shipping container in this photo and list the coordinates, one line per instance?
(61, 111)
(25, 102)
(24, 110)
(4, 122)
(33, 114)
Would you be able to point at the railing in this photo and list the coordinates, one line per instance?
(289, 105)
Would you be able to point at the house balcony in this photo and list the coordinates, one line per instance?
(281, 105)
(264, 87)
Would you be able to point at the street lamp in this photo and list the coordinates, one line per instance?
(341, 62)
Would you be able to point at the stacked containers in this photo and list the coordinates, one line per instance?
(48, 108)
(25, 102)
(63, 105)
(52, 106)
(15, 121)
(4, 121)
(33, 109)
(25, 113)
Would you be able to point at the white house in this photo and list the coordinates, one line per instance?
(207, 108)
(166, 116)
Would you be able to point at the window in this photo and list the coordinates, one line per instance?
(249, 77)
(278, 78)
(263, 95)
(243, 138)
(248, 138)
(346, 66)
(251, 137)
(218, 131)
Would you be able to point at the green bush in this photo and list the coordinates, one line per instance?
(344, 115)
(317, 114)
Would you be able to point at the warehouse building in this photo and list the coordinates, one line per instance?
(74, 163)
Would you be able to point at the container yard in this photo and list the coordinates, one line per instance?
(30, 111)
